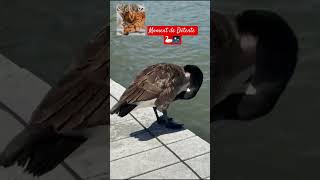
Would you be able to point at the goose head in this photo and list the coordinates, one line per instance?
(196, 78)
(267, 26)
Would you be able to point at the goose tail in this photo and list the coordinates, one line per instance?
(38, 151)
(122, 108)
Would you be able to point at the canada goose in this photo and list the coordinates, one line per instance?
(167, 40)
(255, 38)
(157, 86)
(74, 106)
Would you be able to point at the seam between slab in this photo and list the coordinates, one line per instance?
(120, 122)
(149, 133)
(162, 143)
(127, 137)
(155, 169)
(156, 147)
(150, 148)
(13, 114)
(97, 175)
(202, 154)
(123, 138)
(165, 166)
(170, 165)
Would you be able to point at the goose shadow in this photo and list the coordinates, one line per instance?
(153, 131)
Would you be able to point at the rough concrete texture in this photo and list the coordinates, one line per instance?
(153, 151)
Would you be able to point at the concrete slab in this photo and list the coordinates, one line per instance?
(146, 116)
(165, 135)
(191, 147)
(10, 129)
(124, 129)
(21, 91)
(113, 101)
(116, 90)
(136, 156)
(129, 146)
(115, 118)
(173, 137)
(176, 171)
(91, 161)
(141, 163)
(91, 157)
(201, 165)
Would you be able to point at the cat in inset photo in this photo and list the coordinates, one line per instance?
(131, 19)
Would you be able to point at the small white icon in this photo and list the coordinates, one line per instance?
(168, 40)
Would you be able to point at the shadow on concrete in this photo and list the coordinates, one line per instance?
(155, 130)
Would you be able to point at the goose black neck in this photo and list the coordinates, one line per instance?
(196, 78)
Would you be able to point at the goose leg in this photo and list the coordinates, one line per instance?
(166, 120)
(160, 120)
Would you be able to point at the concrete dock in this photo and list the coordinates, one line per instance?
(140, 149)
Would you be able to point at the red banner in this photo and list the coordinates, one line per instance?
(172, 30)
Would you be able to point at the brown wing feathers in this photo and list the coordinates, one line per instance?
(142, 88)
(132, 95)
(155, 82)
(79, 96)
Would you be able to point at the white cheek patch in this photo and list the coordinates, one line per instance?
(188, 90)
(251, 90)
(187, 75)
(248, 43)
